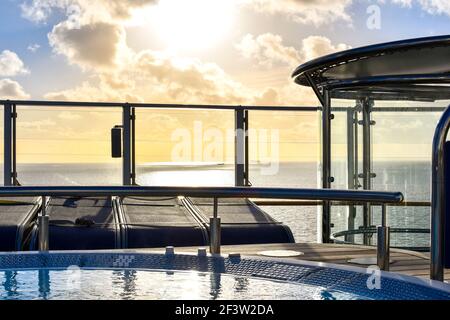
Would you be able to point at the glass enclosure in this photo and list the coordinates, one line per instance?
(397, 146)
(378, 145)
(58, 146)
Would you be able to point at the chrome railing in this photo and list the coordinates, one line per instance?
(438, 197)
(381, 198)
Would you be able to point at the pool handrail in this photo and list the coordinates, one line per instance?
(438, 197)
(374, 197)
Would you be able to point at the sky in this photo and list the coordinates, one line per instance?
(178, 51)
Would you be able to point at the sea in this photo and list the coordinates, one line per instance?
(411, 178)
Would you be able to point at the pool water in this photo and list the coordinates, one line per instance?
(118, 274)
(151, 284)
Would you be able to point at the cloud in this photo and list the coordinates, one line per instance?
(92, 34)
(93, 37)
(37, 125)
(267, 49)
(317, 46)
(10, 89)
(159, 77)
(40, 10)
(436, 6)
(317, 12)
(186, 79)
(433, 7)
(95, 45)
(11, 65)
(33, 47)
(82, 11)
(93, 91)
(67, 115)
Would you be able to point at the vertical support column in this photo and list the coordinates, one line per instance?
(439, 197)
(14, 146)
(43, 227)
(7, 145)
(126, 142)
(383, 242)
(352, 166)
(367, 165)
(215, 229)
(239, 148)
(133, 146)
(326, 165)
(246, 155)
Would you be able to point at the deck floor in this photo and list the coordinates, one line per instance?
(404, 262)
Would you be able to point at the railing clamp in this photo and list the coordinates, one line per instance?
(371, 175)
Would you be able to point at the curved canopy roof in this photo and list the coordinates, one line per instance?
(417, 69)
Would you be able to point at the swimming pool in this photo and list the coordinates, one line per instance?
(137, 275)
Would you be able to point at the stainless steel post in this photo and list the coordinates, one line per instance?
(438, 198)
(14, 146)
(43, 227)
(215, 230)
(326, 165)
(351, 168)
(383, 242)
(367, 165)
(7, 145)
(239, 148)
(133, 146)
(126, 142)
(246, 153)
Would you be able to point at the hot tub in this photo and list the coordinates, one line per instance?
(138, 275)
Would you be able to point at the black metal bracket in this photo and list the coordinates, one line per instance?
(316, 90)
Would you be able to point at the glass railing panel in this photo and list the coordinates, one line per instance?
(67, 146)
(339, 161)
(284, 150)
(402, 162)
(185, 147)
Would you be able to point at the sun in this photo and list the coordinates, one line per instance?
(193, 24)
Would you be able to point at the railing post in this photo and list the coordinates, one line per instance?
(438, 198)
(14, 146)
(44, 227)
(367, 164)
(215, 230)
(239, 147)
(352, 165)
(126, 143)
(7, 145)
(325, 231)
(133, 146)
(383, 242)
(246, 153)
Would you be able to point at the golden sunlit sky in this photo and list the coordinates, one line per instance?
(178, 51)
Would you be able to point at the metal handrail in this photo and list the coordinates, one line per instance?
(438, 198)
(374, 197)
(39, 103)
(307, 203)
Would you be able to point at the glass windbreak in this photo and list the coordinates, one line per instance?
(398, 146)
(66, 146)
(284, 151)
(184, 147)
(339, 214)
(402, 142)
